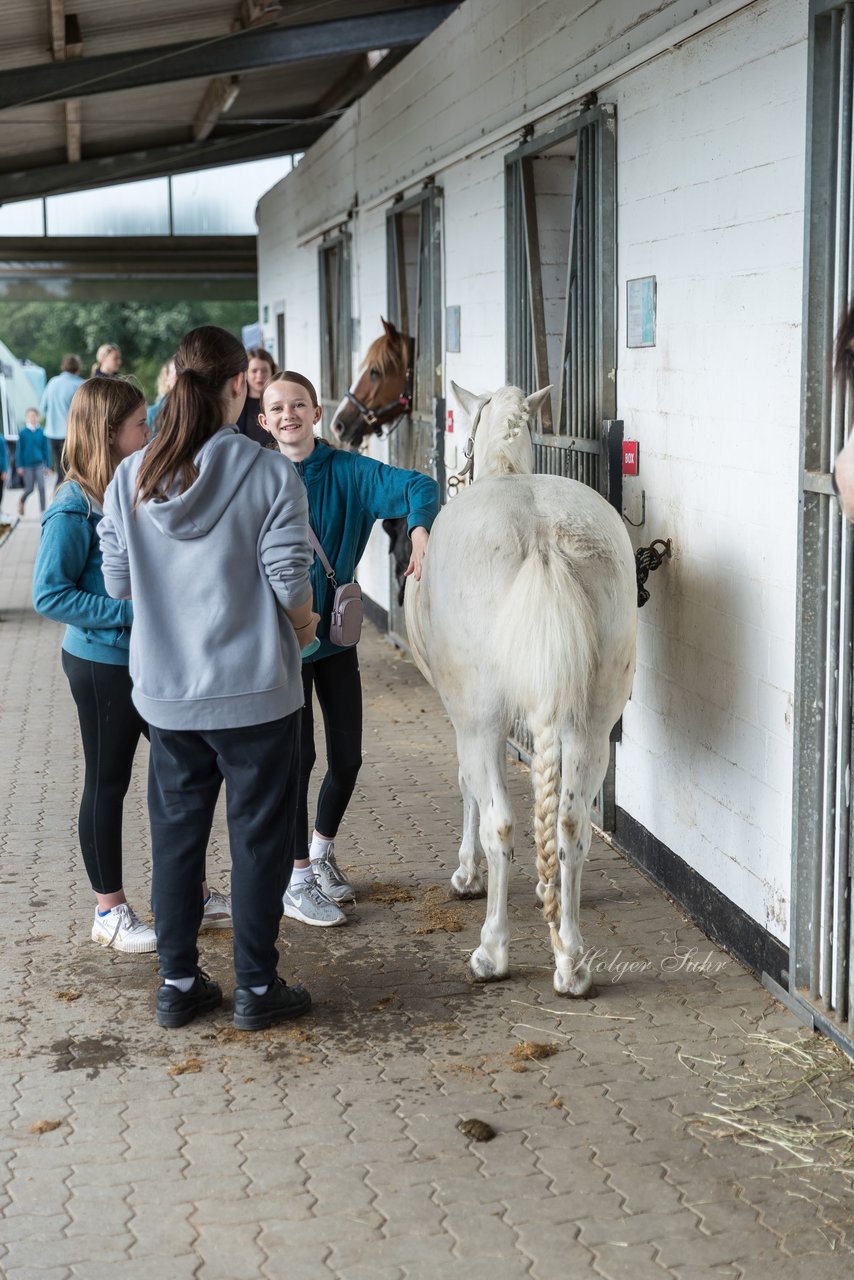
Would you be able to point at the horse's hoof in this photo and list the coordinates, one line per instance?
(482, 968)
(464, 887)
(575, 984)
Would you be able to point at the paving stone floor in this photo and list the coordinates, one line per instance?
(330, 1148)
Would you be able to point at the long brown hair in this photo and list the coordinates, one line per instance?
(99, 406)
(192, 412)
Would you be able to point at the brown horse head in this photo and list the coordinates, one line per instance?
(382, 392)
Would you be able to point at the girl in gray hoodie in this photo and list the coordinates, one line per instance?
(207, 533)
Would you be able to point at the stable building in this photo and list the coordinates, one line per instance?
(650, 209)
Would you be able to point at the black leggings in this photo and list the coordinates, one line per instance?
(338, 686)
(111, 727)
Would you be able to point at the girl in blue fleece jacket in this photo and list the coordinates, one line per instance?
(106, 423)
(347, 494)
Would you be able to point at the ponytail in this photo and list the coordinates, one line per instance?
(192, 411)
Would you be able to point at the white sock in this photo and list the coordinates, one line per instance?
(183, 984)
(260, 991)
(320, 846)
(300, 874)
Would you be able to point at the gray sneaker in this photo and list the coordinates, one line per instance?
(217, 913)
(306, 901)
(331, 878)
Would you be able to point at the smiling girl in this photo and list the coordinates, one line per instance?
(347, 494)
(106, 423)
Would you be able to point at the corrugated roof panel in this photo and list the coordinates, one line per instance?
(122, 122)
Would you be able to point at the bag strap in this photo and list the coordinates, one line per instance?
(330, 572)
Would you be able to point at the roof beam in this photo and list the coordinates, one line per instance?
(251, 50)
(361, 77)
(253, 13)
(218, 98)
(67, 42)
(57, 28)
(74, 130)
(83, 268)
(256, 144)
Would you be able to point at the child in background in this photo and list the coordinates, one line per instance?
(106, 423)
(32, 458)
(261, 369)
(165, 383)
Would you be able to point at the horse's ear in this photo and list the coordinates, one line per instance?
(391, 332)
(468, 400)
(535, 402)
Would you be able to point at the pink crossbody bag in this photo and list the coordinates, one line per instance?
(345, 626)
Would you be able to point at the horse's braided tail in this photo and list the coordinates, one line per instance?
(546, 777)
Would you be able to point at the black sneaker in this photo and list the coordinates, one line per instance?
(279, 1002)
(175, 1008)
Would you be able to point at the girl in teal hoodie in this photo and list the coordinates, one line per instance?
(347, 494)
(106, 423)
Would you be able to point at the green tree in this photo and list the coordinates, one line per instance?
(146, 332)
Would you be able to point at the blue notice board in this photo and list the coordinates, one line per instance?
(640, 312)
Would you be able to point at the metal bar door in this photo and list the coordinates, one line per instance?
(414, 257)
(335, 321)
(574, 441)
(821, 970)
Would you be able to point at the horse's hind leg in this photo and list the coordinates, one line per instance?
(482, 765)
(582, 769)
(468, 881)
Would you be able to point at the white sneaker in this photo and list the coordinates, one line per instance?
(122, 929)
(217, 911)
(331, 878)
(306, 901)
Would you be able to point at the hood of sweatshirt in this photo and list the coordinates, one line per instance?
(224, 461)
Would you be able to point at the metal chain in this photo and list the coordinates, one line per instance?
(647, 560)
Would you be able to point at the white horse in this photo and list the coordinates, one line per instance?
(527, 607)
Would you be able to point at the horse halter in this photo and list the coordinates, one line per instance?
(459, 479)
(373, 418)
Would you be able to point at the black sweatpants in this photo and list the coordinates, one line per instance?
(110, 727)
(338, 686)
(260, 767)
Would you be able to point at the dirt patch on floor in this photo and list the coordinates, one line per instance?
(386, 893)
(530, 1051)
(88, 1054)
(440, 913)
(45, 1126)
(190, 1066)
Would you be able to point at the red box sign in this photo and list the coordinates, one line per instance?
(450, 420)
(630, 457)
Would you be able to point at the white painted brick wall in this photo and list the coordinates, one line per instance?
(710, 144)
(710, 190)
